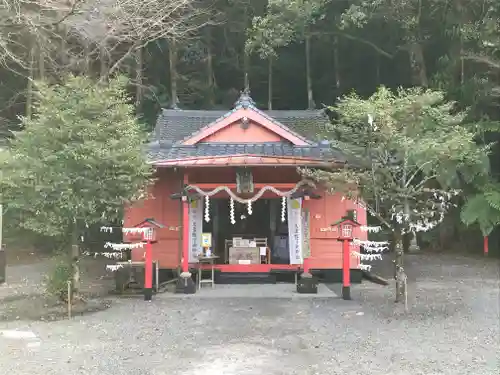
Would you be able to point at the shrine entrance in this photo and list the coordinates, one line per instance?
(261, 230)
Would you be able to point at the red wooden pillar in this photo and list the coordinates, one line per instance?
(185, 230)
(485, 245)
(306, 265)
(148, 272)
(346, 270)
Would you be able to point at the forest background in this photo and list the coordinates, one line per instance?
(292, 54)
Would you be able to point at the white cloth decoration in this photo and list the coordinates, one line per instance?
(123, 246)
(365, 267)
(134, 230)
(371, 246)
(125, 230)
(207, 209)
(113, 267)
(283, 209)
(249, 207)
(365, 228)
(367, 256)
(114, 255)
(231, 211)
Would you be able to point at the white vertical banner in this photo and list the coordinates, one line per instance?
(195, 229)
(295, 233)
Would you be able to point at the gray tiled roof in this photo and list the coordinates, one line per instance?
(175, 125)
(159, 152)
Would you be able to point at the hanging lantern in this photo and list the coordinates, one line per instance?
(231, 211)
(207, 209)
(283, 209)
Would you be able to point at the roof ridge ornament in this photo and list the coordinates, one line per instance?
(245, 100)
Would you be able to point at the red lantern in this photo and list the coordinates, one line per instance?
(345, 227)
(149, 236)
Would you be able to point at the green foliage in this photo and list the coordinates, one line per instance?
(285, 21)
(483, 209)
(57, 280)
(78, 160)
(414, 152)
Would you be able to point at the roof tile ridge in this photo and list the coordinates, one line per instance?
(227, 114)
(276, 122)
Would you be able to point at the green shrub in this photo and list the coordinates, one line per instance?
(57, 280)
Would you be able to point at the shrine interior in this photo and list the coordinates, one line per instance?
(259, 237)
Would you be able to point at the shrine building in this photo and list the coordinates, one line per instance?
(228, 186)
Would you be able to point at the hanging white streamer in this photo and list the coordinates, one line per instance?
(113, 267)
(283, 209)
(114, 255)
(371, 246)
(367, 256)
(249, 207)
(231, 211)
(125, 230)
(207, 209)
(123, 246)
(365, 267)
(368, 229)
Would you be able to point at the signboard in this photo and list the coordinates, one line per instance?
(206, 240)
(295, 232)
(306, 250)
(195, 228)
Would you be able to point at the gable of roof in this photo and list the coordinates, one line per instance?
(175, 126)
(250, 114)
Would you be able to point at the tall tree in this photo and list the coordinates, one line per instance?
(412, 153)
(287, 21)
(77, 161)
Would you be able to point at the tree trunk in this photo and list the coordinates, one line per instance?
(398, 261)
(416, 53)
(63, 56)
(310, 100)
(75, 257)
(210, 69)
(29, 88)
(410, 243)
(41, 62)
(172, 57)
(377, 69)
(104, 59)
(270, 83)
(417, 64)
(336, 64)
(246, 68)
(86, 58)
(138, 79)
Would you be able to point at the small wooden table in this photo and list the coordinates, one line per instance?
(207, 260)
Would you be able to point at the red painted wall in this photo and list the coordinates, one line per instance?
(164, 210)
(236, 133)
(325, 249)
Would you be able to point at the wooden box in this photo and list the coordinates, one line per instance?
(244, 255)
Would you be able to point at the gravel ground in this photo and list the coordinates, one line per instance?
(23, 296)
(452, 328)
